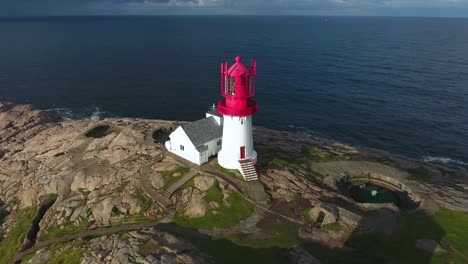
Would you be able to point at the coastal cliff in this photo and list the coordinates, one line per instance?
(101, 188)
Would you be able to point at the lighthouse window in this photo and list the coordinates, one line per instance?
(232, 86)
(242, 121)
(218, 143)
(182, 147)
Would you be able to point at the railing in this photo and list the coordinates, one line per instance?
(251, 109)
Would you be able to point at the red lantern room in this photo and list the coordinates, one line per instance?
(237, 88)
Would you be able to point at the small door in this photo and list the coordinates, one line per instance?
(242, 152)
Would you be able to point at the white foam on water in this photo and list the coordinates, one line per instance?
(444, 160)
(80, 113)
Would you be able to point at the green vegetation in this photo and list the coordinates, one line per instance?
(419, 173)
(68, 256)
(305, 215)
(169, 177)
(455, 225)
(50, 197)
(332, 227)
(233, 173)
(447, 227)
(277, 235)
(14, 240)
(122, 186)
(26, 258)
(222, 217)
(144, 201)
(68, 228)
(227, 252)
(85, 193)
(135, 219)
(149, 247)
(214, 194)
(316, 155)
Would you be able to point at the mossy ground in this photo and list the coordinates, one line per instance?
(224, 216)
(447, 227)
(68, 228)
(149, 247)
(275, 235)
(14, 240)
(169, 177)
(68, 256)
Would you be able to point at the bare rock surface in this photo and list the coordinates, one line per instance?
(203, 183)
(191, 202)
(146, 246)
(96, 168)
(430, 246)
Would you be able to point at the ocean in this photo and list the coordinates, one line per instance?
(398, 84)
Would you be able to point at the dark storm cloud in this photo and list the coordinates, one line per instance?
(317, 7)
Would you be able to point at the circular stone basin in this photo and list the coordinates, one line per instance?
(372, 194)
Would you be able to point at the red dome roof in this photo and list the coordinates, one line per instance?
(238, 69)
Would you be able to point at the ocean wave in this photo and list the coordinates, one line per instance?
(445, 161)
(80, 113)
(301, 130)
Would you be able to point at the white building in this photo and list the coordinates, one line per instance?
(198, 140)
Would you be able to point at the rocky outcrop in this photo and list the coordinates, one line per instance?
(191, 203)
(203, 183)
(430, 246)
(289, 185)
(327, 213)
(300, 256)
(146, 246)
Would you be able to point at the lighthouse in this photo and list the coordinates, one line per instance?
(237, 108)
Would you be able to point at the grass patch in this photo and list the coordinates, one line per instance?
(222, 217)
(14, 240)
(227, 252)
(169, 177)
(68, 228)
(144, 201)
(233, 173)
(419, 173)
(26, 258)
(446, 227)
(190, 183)
(277, 236)
(66, 256)
(305, 216)
(455, 225)
(214, 194)
(148, 248)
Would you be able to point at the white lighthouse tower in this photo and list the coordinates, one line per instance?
(237, 108)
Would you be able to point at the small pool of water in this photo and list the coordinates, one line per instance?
(372, 194)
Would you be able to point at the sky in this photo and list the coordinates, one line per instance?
(437, 8)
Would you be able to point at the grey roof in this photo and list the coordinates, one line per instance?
(203, 131)
(214, 112)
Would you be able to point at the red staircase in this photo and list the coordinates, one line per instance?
(248, 169)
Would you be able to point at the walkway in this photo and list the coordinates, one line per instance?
(162, 200)
(91, 232)
(187, 177)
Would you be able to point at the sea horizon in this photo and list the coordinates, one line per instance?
(393, 83)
